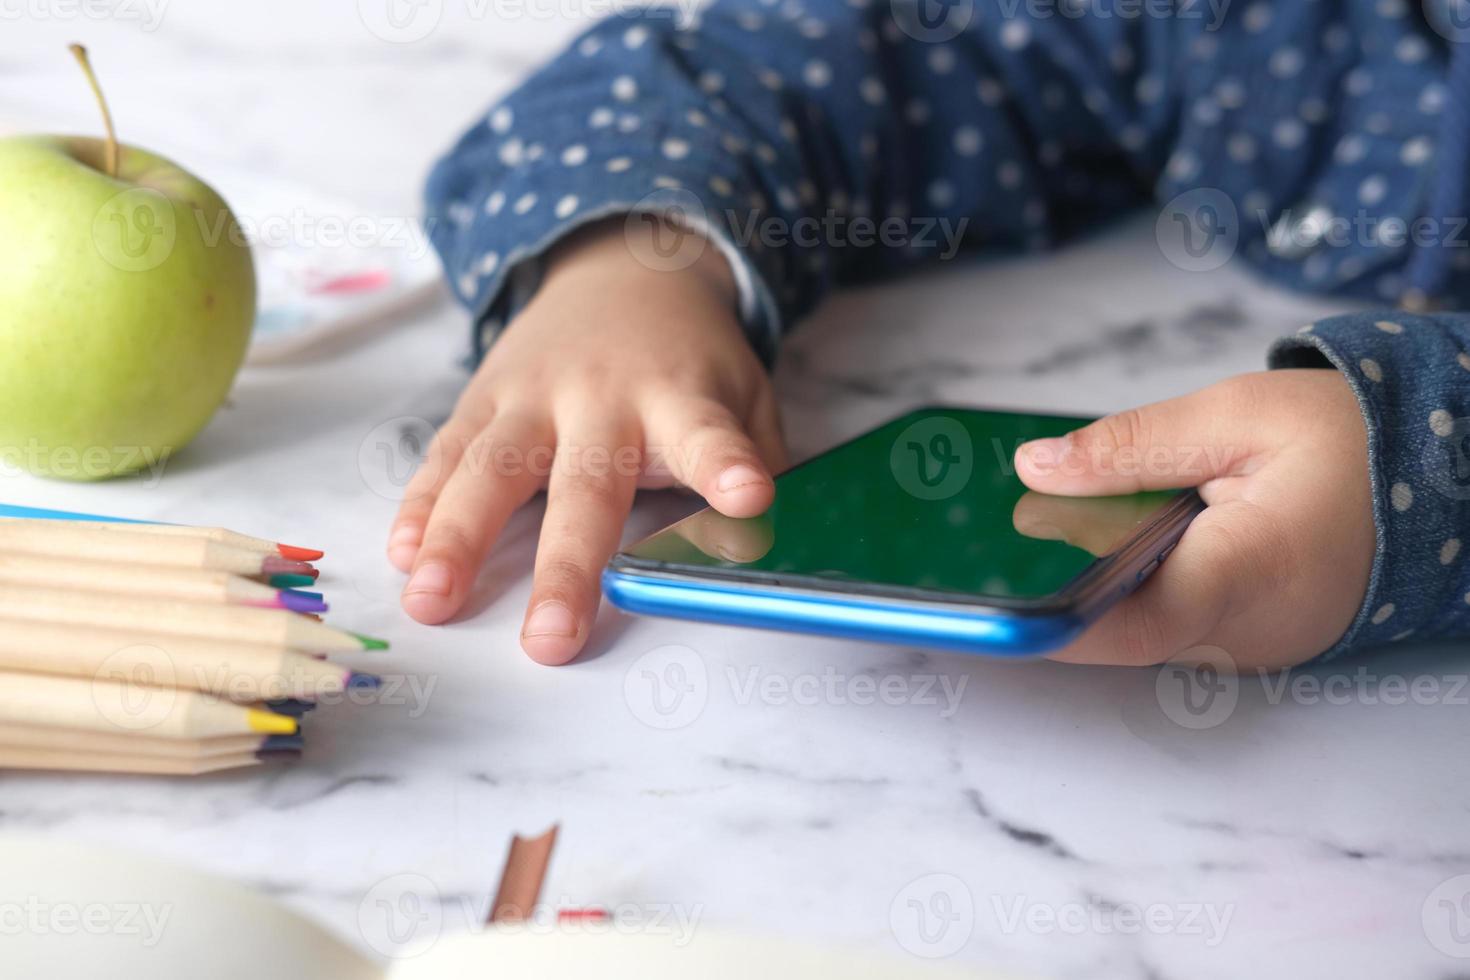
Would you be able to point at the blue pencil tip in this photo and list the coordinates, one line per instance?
(363, 682)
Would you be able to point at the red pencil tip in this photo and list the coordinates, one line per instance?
(299, 554)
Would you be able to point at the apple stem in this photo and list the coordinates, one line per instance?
(86, 63)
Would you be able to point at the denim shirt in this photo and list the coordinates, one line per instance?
(827, 142)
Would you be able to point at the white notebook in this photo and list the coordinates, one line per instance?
(156, 921)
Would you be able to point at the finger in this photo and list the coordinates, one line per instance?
(496, 474)
(586, 505)
(1184, 442)
(767, 432)
(706, 448)
(735, 539)
(1223, 563)
(1095, 524)
(444, 453)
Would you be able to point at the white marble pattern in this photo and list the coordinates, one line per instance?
(1046, 807)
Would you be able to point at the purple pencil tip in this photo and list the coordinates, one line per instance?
(299, 602)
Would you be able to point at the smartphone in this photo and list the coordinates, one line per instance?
(917, 533)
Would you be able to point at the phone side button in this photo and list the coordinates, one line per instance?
(1149, 569)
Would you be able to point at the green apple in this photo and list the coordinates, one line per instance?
(127, 296)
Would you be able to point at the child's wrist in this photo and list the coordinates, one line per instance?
(601, 251)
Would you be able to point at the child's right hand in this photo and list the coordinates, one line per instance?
(614, 376)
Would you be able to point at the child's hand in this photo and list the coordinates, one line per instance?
(614, 376)
(1274, 571)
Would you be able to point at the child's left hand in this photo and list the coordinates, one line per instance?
(1274, 571)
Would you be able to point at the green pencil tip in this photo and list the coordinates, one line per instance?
(291, 581)
(368, 643)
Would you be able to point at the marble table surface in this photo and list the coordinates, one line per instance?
(1050, 820)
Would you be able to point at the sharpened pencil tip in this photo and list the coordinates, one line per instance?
(273, 565)
(302, 602)
(268, 723)
(369, 643)
(274, 743)
(278, 755)
(294, 707)
(299, 554)
(363, 682)
(290, 581)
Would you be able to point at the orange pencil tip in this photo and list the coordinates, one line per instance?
(299, 554)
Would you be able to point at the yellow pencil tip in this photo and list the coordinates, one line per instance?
(270, 723)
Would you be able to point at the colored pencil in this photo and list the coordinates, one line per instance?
(234, 671)
(63, 540)
(242, 624)
(217, 534)
(46, 701)
(155, 581)
(65, 740)
(141, 765)
(521, 879)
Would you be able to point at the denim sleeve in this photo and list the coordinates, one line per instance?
(1411, 375)
(820, 142)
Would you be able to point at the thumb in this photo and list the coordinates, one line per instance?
(1183, 442)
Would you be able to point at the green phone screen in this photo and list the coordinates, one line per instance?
(929, 501)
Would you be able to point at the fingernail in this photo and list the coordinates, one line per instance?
(431, 579)
(739, 476)
(551, 618)
(1043, 453)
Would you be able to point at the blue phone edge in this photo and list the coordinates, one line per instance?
(958, 627)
